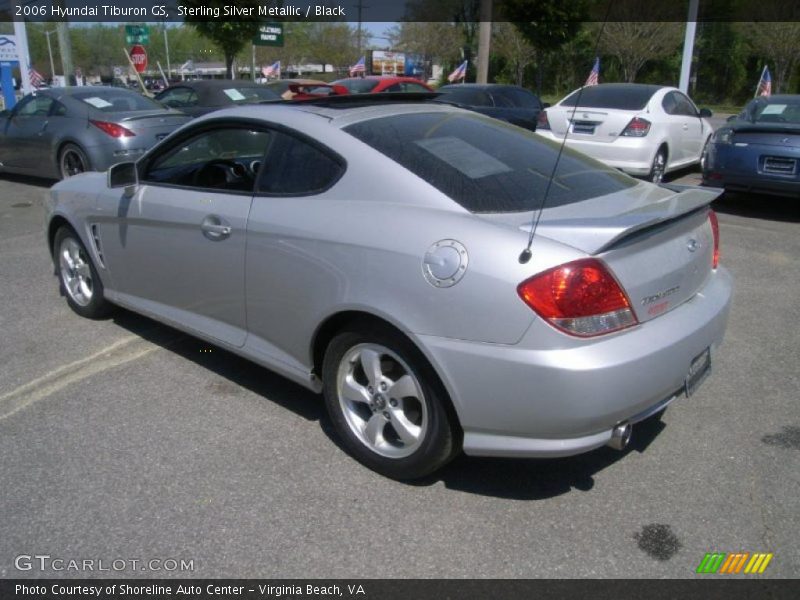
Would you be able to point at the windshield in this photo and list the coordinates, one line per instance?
(243, 95)
(117, 101)
(487, 166)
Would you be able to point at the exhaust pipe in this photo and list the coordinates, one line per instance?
(620, 436)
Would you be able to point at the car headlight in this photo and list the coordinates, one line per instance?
(723, 136)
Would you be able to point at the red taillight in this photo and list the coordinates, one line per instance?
(581, 298)
(712, 218)
(542, 121)
(638, 127)
(112, 129)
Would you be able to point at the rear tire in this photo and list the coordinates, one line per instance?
(77, 276)
(72, 160)
(387, 405)
(659, 166)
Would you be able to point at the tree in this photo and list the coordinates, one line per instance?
(509, 44)
(635, 43)
(779, 43)
(230, 35)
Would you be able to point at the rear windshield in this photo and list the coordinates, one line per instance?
(242, 95)
(485, 165)
(117, 101)
(358, 86)
(629, 97)
(472, 97)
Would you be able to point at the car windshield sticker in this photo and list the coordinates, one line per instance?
(773, 109)
(468, 159)
(97, 102)
(234, 94)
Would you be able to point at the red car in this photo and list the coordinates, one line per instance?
(375, 84)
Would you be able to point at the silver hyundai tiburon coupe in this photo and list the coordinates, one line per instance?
(372, 250)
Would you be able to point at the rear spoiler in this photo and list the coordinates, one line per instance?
(594, 235)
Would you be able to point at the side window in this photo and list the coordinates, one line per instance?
(501, 100)
(59, 110)
(397, 87)
(295, 166)
(37, 106)
(685, 106)
(414, 87)
(670, 104)
(225, 158)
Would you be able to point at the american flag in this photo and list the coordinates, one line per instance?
(36, 78)
(594, 75)
(359, 67)
(459, 73)
(273, 70)
(764, 84)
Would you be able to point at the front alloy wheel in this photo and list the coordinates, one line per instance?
(78, 277)
(387, 405)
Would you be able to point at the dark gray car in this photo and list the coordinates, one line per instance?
(510, 103)
(199, 97)
(64, 131)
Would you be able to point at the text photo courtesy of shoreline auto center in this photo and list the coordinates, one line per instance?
(391, 299)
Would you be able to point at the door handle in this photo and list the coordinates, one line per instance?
(44, 126)
(215, 229)
(685, 127)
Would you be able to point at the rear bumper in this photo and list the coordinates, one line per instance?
(551, 395)
(103, 156)
(629, 154)
(740, 169)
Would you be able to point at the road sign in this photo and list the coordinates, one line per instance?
(139, 58)
(269, 34)
(8, 47)
(137, 34)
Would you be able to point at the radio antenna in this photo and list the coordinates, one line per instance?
(526, 254)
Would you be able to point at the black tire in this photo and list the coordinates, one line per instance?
(72, 160)
(439, 439)
(659, 166)
(93, 306)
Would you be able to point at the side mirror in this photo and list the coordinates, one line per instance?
(706, 113)
(732, 118)
(546, 105)
(123, 175)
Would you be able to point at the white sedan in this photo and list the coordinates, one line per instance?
(644, 130)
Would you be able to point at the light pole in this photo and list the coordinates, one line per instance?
(50, 52)
(166, 48)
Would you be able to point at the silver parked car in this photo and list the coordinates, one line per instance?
(645, 130)
(60, 132)
(371, 251)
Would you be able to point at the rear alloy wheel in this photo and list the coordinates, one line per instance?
(72, 161)
(385, 405)
(659, 166)
(78, 278)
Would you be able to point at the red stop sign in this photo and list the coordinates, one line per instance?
(139, 58)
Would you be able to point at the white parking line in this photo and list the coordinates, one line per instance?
(120, 352)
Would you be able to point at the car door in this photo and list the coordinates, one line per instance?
(288, 262)
(676, 126)
(176, 247)
(693, 133)
(26, 136)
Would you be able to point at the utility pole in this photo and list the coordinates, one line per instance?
(65, 46)
(360, 6)
(166, 48)
(24, 55)
(484, 40)
(50, 52)
(688, 46)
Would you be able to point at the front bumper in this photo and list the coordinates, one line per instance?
(553, 395)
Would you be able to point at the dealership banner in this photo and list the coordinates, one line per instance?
(379, 10)
(387, 589)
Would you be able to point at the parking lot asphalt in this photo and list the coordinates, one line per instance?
(127, 440)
